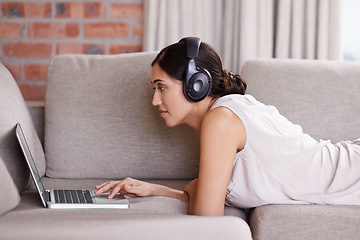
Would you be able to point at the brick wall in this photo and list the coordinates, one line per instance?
(33, 31)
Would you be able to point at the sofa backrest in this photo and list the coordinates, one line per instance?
(100, 123)
(13, 110)
(321, 96)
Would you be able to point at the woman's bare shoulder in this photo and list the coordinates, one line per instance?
(224, 123)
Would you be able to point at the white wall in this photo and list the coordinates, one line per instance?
(351, 30)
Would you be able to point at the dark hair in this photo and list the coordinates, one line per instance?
(173, 60)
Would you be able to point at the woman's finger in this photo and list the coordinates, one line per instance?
(101, 185)
(106, 187)
(116, 189)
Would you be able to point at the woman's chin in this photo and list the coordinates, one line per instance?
(170, 123)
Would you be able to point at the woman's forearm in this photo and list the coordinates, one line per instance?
(190, 189)
(160, 190)
(191, 203)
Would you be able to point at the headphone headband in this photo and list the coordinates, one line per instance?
(192, 46)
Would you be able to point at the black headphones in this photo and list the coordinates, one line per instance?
(197, 83)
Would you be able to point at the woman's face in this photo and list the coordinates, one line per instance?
(169, 97)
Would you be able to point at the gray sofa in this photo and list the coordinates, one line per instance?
(97, 123)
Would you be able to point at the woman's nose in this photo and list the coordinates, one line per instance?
(156, 101)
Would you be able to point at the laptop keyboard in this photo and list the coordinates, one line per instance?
(73, 196)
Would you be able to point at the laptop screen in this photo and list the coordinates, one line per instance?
(30, 161)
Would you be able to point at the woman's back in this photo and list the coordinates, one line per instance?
(281, 164)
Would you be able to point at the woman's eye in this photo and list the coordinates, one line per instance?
(160, 88)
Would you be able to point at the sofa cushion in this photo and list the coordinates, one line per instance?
(150, 204)
(37, 114)
(13, 110)
(298, 222)
(158, 217)
(148, 219)
(321, 96)
(9, 197)
(100, 123)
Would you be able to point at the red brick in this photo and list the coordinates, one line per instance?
(79, 10)
(72, 30)
(53, 30)
(94, 49)
(80, 48)
(26, 9)
(130, 10)
(117, 49)
(32, 92)
(13, 9)
(15, 70)
(138, 30)
(11, 30)
(94, 10)
(106, 30)
(35, 72)
(36, 9)
(63, 48)
(69, 10)
(27, 50)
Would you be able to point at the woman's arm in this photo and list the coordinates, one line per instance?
(190, 189)
(222, 135)
(136, 188)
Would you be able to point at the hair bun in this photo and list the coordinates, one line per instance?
(233, 83)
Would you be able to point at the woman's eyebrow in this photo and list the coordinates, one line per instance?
(157, 80)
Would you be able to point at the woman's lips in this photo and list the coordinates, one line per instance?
(163, 113)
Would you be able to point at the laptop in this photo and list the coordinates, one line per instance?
(67, 198)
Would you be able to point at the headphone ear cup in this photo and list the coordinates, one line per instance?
(198, 86)
(197, 83)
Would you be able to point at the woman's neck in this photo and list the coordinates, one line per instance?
(199, 112)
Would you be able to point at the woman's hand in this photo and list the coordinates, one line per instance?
(129, 187)
(136, 188)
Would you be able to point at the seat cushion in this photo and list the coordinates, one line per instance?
(100, 122)
(13, 110)
(298, 222)
(157, 204)
(9, 197)
(134, 223)
(157, 217)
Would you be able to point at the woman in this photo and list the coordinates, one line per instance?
(250, 155)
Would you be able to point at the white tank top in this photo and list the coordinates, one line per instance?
(279, 164)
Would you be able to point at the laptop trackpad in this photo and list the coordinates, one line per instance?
(103, 198)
